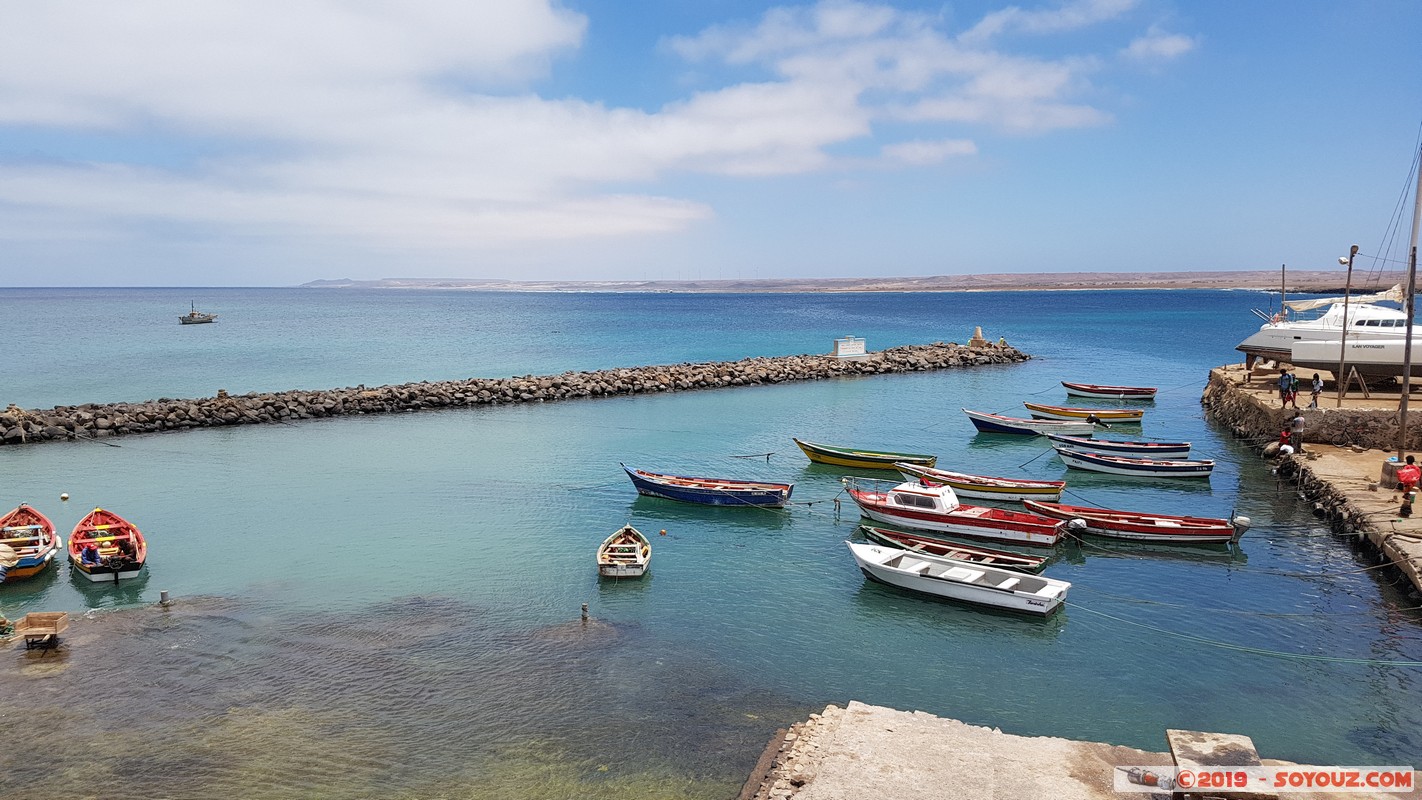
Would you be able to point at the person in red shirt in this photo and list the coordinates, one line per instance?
(1409, 474)
(1407, 477)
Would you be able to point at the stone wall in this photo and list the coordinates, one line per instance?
(1255, 416)
(19, 425)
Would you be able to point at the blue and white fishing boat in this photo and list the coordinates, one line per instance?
(997, 423)
(1141, 467)
(710, 491)
(1119, 447)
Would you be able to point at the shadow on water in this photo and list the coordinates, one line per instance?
(659, 513)
(878, 600)
(425, 696)
(1076, 551)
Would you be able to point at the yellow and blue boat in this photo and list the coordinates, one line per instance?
(862, 459)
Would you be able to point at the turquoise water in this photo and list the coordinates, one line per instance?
(389, 605)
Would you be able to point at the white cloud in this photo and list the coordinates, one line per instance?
(921, 153)
(414, 125)
(1066, 17)
(1157, 45)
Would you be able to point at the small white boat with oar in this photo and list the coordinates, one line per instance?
(997, 423)
(959, 580)
(1118, 447)
(625, 554)
(1137, 467)
(984, 486)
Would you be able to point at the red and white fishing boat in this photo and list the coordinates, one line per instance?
(1144, 527)
(27, 543)
(936, 508)
(957, 551)
(1044, 411)
(1106, 392)
(984, 486)
(1139, 467)
(106, 547)
(1117, 447)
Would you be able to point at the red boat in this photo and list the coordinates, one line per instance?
(958, 552)
(1110, 392)
(936, 508)
(107, 547)
(1143, 527)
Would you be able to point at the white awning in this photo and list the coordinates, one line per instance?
(1394, 294)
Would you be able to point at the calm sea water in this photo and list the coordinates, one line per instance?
(388, 606)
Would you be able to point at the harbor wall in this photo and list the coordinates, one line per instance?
(1249, 407)
(94, 421)
(1344, 472)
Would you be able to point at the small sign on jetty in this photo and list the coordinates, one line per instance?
(849, 347)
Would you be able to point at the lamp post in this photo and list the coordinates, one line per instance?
(1343, 340)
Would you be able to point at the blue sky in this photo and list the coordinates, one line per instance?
(270, 143)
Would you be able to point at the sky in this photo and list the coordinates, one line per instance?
(263, 143)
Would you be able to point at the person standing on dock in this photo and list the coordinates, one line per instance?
(1407, 476)
(1296, 427)
(1317, 391)
(1284, 380)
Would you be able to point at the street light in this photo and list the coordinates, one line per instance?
(1343, 340)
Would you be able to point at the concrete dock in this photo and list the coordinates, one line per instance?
(861, 752)
(1343, 469)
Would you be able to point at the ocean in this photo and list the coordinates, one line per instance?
(389, 605)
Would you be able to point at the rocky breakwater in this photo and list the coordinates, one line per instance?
(94, 421)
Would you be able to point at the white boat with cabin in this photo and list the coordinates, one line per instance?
(1313, 342)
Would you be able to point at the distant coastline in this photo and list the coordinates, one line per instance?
(1303, 281)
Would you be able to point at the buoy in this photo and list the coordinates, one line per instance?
(64, 497)
(664, 532)
(585, 611)
(163, 597)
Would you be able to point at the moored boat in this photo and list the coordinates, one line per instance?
(106, 547)
(28, 543)
(997, 423)
(1145, 467)
(1165, 450)
(195, 317)
(956, 580)
(1044, 411)
(984, 486)
(861, 459)
(1107, 392)
(1005, 559)
(625, 554)
(936, 508)
(1146, 527)
(710, 491)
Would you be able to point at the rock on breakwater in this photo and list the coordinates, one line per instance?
(92, 420)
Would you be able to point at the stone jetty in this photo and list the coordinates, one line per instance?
(94, 421)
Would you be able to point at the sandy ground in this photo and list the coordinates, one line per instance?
(1298, 281)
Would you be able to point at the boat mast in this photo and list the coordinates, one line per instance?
(1411, 295)
(1343, 338)
(1283, 289)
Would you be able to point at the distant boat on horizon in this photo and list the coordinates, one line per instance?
(195, 317)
